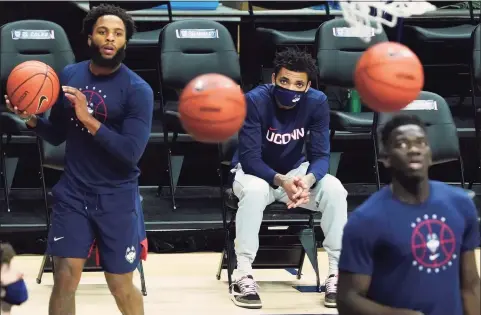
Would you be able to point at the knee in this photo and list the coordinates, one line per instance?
(332, 188)
(120, 286)
(67, 274)
(253, 188)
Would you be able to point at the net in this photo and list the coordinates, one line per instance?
(366, 15)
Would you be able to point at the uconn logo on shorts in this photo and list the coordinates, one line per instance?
(284, 138)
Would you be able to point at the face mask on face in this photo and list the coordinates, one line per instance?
(287, 98)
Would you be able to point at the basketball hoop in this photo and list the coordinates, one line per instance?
(365, 15)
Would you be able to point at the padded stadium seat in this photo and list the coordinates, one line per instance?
(454, 42)
(273, 39)
(21, 41)
(441, 129)
(184, 56)
(279, 257)
(336, 58)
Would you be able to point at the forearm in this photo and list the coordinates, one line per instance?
(356, 304)
(45, 130)
(471, 300)
(319, 167)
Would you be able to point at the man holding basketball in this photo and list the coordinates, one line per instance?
(410, 248)
(270, 166)
(104, 114)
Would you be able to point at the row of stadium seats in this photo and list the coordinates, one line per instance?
(58, 53)
(182, 59)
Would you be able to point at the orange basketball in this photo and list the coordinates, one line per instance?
(212, 108)
(388, 77)
(33, 86)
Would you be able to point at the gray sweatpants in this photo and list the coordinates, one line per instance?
(255, 194)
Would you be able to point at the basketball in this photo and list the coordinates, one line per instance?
(388, 77)
(212, 108)
(33, 87)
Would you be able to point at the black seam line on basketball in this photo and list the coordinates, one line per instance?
(388, 84)
(51, 90)
(208, 120)
(14, 91)
(38, 92)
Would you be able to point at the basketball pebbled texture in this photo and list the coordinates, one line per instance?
(33, 86)
(388, 77)
(212, 108)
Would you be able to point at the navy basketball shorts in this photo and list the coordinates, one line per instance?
(114, 222)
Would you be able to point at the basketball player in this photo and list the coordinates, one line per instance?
(270, 166)
(104, 114)
(409, 249)
(13, 290)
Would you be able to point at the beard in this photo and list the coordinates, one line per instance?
(109, 63)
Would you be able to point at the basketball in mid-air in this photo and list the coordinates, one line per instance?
(388, 77)
(33, 87)
(212, 108)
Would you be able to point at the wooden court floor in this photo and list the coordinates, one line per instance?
(183, 284)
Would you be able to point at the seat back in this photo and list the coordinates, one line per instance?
(476, 40)
(434, 111)
(33, 40)
(131, 5)
(338, 50)
(189, 48)
(283, 5)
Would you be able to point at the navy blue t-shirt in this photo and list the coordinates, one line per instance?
(412, 252)
(123, 103)
(271, 140)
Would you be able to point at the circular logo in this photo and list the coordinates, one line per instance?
(432, 244)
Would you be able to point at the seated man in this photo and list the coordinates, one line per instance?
(410, 248)
(270, 166)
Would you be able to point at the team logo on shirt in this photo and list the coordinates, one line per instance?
(96, 106)
(432, 244)
(284, 138)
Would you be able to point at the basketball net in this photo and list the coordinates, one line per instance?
(366, 16)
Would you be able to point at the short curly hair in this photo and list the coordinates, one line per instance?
(398, 121)
(294, 59)
(107, 9)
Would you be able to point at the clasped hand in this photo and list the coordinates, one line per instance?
(297, 191)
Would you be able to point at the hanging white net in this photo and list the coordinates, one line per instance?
(364, 15)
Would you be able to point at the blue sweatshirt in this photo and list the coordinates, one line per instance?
(413, 253)
(272, 140)
(123, 103)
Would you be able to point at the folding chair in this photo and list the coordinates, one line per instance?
(337, 52)
(287, 256)
(187, 49)
(21, 41)
(476, 92)
(52, 157)
(442, 133)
